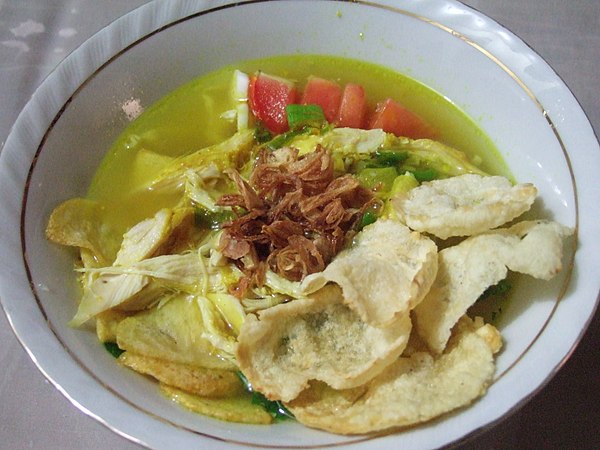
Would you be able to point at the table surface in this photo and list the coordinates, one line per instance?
(35, 35)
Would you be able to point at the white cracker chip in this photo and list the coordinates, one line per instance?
(315, 338)
(463, 205)
(384, 274)
(540, 251)
(412, 390)
(466, 270)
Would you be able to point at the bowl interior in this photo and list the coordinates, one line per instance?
(84, 129)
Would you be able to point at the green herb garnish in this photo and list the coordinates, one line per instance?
(213, 220)
(300, 116)
(501, 289)
(390, 158)
(262, 135)
(368, 218)
(424, 175)
(283, 139)
(274, 407)
(113, 349)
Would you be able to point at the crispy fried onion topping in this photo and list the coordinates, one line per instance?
(294, 215)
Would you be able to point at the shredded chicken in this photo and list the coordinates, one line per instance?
(294, 216)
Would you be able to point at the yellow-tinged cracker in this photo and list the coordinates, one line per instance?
(106, 325)
(192, 379)
(238, 409)
(174, 332)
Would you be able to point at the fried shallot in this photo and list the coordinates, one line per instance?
(294, 215)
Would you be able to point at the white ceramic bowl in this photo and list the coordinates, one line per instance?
(63, 133)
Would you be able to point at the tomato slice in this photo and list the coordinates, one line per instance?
(353, 107)
(325, 93)
(268, 96)
(392, 117)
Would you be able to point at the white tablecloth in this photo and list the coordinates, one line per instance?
(35, 35)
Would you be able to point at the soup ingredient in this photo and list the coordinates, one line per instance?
(208, 278)
(239, 93)
(274, 407)
(238, 409)
(268, 96)
(415, 388)
(391, 117)
(169, 231)
(353, 107)
(194, 379)
(113, 349)
(384, 274)
(80, 223)
(367, 147)
(463, 205)
(144, 239)
(205, 167)
(466, 270)
(296, 216)
(498, 290)
(174, 331)
(315, 338)
(324, 93)
(137, 286)
(300, 116)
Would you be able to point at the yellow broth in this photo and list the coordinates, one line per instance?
(188, 119)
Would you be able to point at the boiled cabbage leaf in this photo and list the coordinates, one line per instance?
(429, 154)
(352, 145)
(204, 187)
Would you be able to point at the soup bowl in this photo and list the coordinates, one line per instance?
(66, 129)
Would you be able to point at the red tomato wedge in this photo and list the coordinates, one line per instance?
(268, 96)
(325, 93)
(353, 107)
(392, 117)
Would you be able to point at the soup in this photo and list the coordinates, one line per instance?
(245, 247)
(190, 118)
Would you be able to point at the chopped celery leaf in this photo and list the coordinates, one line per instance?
(500, 289)
(283, 139)
(368, 218)
(274, 407)
(300, 116)
(113, 349)
(424, 174)
(262, 135)
(213, 220)
(390, 158)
